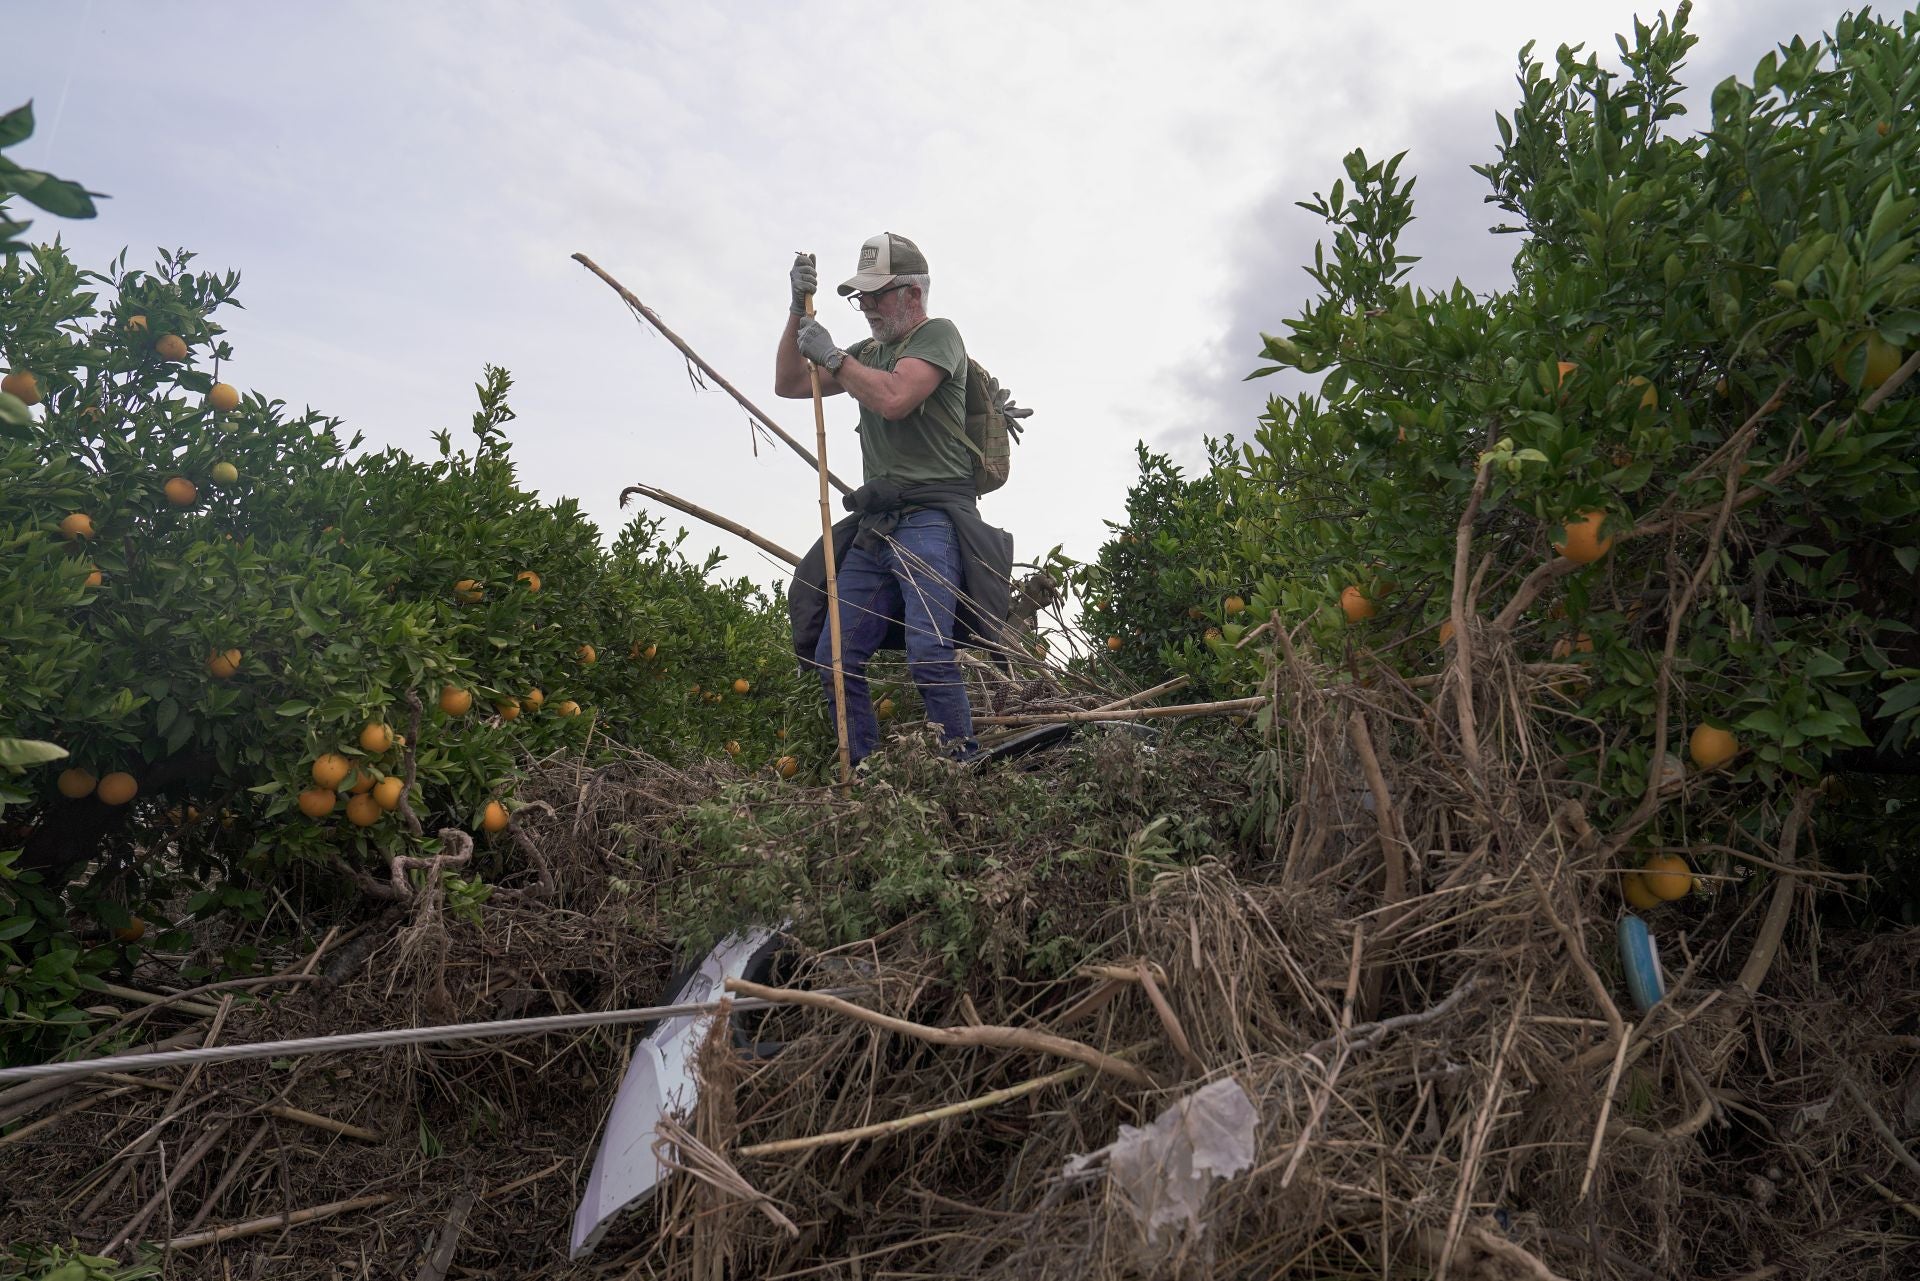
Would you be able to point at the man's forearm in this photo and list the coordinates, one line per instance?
(875, 389)
(789, 366)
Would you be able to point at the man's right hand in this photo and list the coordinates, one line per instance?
(804, 280)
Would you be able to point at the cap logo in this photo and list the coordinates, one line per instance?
(869, 256)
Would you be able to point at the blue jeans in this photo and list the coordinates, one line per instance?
(908, 577)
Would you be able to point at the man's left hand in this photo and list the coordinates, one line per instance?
(817, 345)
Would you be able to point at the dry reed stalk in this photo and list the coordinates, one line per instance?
(313, 1120)
(286, 1219)
(883, 1129)
(1005, 1038)
(1224, 707)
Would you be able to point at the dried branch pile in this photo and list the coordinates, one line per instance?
(1394, 955)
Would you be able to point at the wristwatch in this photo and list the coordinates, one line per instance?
(835, 359)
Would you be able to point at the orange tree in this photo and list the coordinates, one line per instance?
(245, 635)
(1705, 348)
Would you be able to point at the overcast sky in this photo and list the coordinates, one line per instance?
(1104, 192)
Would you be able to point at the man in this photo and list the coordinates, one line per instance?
(915, 561)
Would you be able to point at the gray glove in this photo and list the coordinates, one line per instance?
(816, 344)
(805, 280)
(1003, 401)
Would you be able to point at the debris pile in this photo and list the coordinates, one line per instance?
(1343, 1002)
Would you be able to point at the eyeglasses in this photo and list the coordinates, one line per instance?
(856, 298)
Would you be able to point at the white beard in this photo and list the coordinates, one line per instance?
(884, 330)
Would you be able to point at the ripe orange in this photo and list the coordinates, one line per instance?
(1711, 748)
(781, 732)
(1355, 605)
(77, 525)
(22, 384)
(1114, 642)
(696, 689)
(1195, 612)
(117, 789)
(362, 782)
(225, 473)
(535, 699)
(95, 578)
(467, 590)
(1634, 888)
(222, 664)
(1211, 635)
(787, 766)
(75, 783)
(494, 818)
(1582, 541)
(330, 769)
(509, 709)
(1234, 605)
(884, 710)
(649, 652)
(375, 738)
(181, 492)
(136, 324)
(733, 747)
(317, 802)
(1648, 398)
(567, 708)
(132, 932)
(171, 347)
(741, 686)
(1446, 631)
(1566, 647)
(386, 793)
(1882, 359)
(363, 811)
(223, 397)
(531, 579)
(1668, 876)
(588, 654)
(455, 701)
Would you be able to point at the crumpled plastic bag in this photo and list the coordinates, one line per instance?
(1166, 1170)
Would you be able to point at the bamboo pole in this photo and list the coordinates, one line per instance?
(646, 312)
(833, 583)
(698, 512)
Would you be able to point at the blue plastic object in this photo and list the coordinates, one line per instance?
(1640, 957)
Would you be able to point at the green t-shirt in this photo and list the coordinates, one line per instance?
(929, 444)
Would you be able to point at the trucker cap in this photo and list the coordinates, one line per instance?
(881, 259)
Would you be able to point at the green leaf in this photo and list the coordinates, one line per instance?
(14, 414)
(1902, 699)
(55, 195)
(17, 125)
(18, 753)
